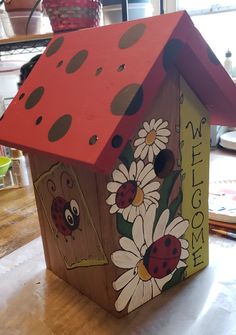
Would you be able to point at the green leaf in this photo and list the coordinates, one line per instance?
(124, 227)
(127, 155)
(165, 191)
(178, 276)
(175, 205)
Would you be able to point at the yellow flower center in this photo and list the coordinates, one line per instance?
(150, 138)
(139, 197)
(142, 272)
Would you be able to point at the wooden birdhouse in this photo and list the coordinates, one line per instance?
(116, 122)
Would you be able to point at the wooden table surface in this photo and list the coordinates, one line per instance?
(18, 218)
(36, 302)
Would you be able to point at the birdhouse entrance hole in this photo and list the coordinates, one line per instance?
(164, 163)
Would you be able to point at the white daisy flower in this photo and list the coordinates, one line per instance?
(151, 258)
(153, 138)
(132, 190)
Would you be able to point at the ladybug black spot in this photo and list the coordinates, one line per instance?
(164, 264)
(167, 242)
(174, 252)
(154, 250)
(155, 270)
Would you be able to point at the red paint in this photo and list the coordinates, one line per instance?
(87, 97)
(162, 256)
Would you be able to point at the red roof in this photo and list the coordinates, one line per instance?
(88, 92)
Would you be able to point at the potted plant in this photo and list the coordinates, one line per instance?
(22, 5)
(16, 20)
(70, 14)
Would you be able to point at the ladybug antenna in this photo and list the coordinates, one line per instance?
(51, 186)
(66, 181)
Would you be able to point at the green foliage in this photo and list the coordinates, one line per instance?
(127, 155)
(173, 207)
(177, 277)
(165, 192)
(124, 227)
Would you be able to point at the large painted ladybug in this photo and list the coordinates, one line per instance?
(162, 257)
(65, 215)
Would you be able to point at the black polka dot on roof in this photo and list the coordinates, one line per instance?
(117, 141)
(76, 61)
(171, 52)
(132, 36)
(60, 128)
(128, 100)
(34, 97)
(54, 46)
(39, 120)
(212, 57)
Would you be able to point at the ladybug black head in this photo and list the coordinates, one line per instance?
(71, 215)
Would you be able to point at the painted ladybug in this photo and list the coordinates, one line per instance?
(162, 257)
(65, 215)
(126, 194)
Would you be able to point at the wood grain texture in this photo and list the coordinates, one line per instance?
(96, 281)
(166, 107)
(93, 281)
